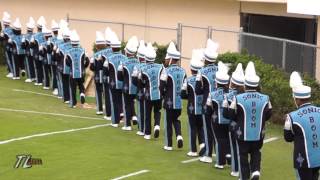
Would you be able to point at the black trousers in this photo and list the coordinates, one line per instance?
(172, 119)
(18, 64)
(234, 151)
(99, 91)
(208, 134)
(65, 86)
(53, 72)
(307, 173)
(141, 114)
(222, 144)
(195, 131)
(74, 83)
(60, 84)
(156, 106)
(107, 96)
(9, 60)
(247, 166)
(116, 105)
(39, 71)
(46, 76)
(129, 109)
(29, 67)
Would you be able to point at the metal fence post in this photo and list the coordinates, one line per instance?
(209, 33)
(284, 49)
(179, 36)
(122, 35)
(240, 40)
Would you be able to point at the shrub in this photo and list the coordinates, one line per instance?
(274, 82)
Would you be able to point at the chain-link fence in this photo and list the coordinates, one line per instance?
(283, 53)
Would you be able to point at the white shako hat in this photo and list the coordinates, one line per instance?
(100, 39)
(251, 78)
(41, 22)
(54, 26)
(74, 37)
(66, 33)
(114, 40)
(299, 90)
(60, 36)
(196, 61)
(17, 24)
(222, 76)
(237, 76)
(141, 49)
(132, 45)
(108, 34)
(172, 52)
(6, 18)
(210, 52)
(46, 31)
(31, 24)
(63, 24)
(150, 54)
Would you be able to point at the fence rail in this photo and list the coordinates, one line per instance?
(283, 53)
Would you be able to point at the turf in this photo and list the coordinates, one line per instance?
(105, 152)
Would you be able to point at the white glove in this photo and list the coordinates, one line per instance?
(198, 77)
(140, 75)
(2, 35)
(135, 72)
(287, 124)
(233, 104)
(41, 48)
(185, 85)
(120, 67)
(54, 48)
(99, 58)
(23, 40)
(48, 42)
(106, 64)
(32, 39)
(10, 40)
(225, 102)
(164, 75)
(92, 60)
(58, 51)
(209, 101)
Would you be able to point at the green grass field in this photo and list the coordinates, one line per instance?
(104, 152)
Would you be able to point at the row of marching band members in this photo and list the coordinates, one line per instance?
(226, 114)
(50, 58)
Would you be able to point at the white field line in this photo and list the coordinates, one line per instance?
(32, 92)
(196, 159)
(131, 174)
(52, 133)
(48, 113)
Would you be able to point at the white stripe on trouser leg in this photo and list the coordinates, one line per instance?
(13, 65)
(44, 76)
(97, 100)
(239, 162)
(190, 135)
(124, 111)
(35, 70)
(216, 148)
(112, 108)
(165, 128)
(205, 134)
(145, 117)
(9, 63)
(233, 167)
(139, 116)
(27, 64)
(70, 92)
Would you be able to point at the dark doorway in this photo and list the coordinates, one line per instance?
(297, 57)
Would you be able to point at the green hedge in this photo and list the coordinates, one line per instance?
(274, 82)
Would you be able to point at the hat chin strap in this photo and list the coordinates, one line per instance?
(170, 61)
(295, 101)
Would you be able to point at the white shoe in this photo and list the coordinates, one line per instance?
(99, 113)
(9, 75)
(205, 159)
(38, 84)
(55, 92)
(28, 81)
(16, 78)
(46, 88)
(82, 98)
(59, 97)
(148, 137)
(156, 131)
(115, 125)
(218, 166)
(234, 174)
(108, 118)
(140, 133)
(180, 141)
(126, 128)
(67, 102)
(255, 175)
(121, 115)
(134, 118)
(192, 154)
(167, 148)
(33, 79)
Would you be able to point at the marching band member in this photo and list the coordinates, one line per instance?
(194, 107)
(172, 79)
(250, 110)
(29, 63)
(301, 128)
(45, 58)
(6, 33)
(51, 59)
(205, 83)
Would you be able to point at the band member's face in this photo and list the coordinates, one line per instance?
(166, 62)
